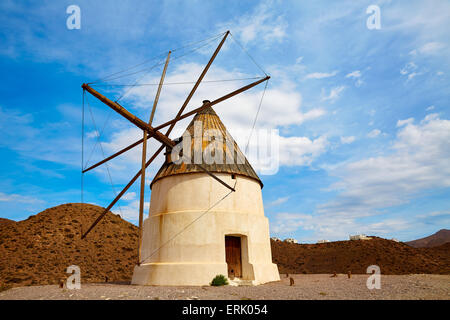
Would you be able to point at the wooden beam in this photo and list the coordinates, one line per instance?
(215, 177)
(144, 155)
(210, 104)
(180, 112)
(130, 117)
(121, 193)
(200, 78)
(179, 117)
(147, 128)
(131, 146)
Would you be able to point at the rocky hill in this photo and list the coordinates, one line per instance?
(39, 249)
(342, 256)
(437, 239)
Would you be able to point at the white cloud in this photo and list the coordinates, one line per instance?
(429, 108)
(413, 74)
(301, 151)
(426, 22)
(293, 150)
(334, 94)
(429, 48)
(347, 140)
(263, 24)
(374, 133)
(420, 161)
(92, 134)
(299, 60)
(56, 141)
(129, 196)
(354, 74)
(130, 212)
(17, 198)
(401, 123)
(286, 223)
(320, 75)
(408, 68)
(278, 201)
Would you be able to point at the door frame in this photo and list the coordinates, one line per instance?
(240, 273)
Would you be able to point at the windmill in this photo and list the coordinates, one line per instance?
(141, 274)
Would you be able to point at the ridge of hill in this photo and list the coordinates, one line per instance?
(356, 255)
(436, 239)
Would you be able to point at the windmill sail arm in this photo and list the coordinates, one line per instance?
(210, 104)
(216, 178)
(131, 146)
(173, 121)
(200, 78)
(205, 70)
(100, 217)
(130, 117)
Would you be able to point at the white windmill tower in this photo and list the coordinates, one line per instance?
(205, 218)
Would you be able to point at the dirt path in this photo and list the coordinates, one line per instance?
(317, 286)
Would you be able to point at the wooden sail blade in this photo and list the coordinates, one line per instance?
(197, 83)
(122, 193)
(144, 155)
(130, 117)
(131, 146)
(200, 78)
(174, 121)
(210, 104)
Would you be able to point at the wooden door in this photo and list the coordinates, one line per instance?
(233, 256)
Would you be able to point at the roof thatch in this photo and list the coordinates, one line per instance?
(210, 121)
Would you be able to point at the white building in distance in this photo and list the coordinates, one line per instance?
(361, 236)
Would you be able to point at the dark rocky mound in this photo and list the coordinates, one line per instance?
(355, 256)
(39, 249)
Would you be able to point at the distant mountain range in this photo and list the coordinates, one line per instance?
(437, 239)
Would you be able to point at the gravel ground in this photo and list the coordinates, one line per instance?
(312, 286)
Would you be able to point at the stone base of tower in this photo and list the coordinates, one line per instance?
(196, 274)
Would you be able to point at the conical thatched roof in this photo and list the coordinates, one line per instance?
(210, 121)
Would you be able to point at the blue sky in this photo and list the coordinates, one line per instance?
(363, 115)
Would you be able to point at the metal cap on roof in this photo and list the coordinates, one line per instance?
(210, 122)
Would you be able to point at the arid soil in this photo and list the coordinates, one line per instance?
(318, 286)
(355, 256)
(38, 250)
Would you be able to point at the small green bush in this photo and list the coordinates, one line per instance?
(219, 280)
